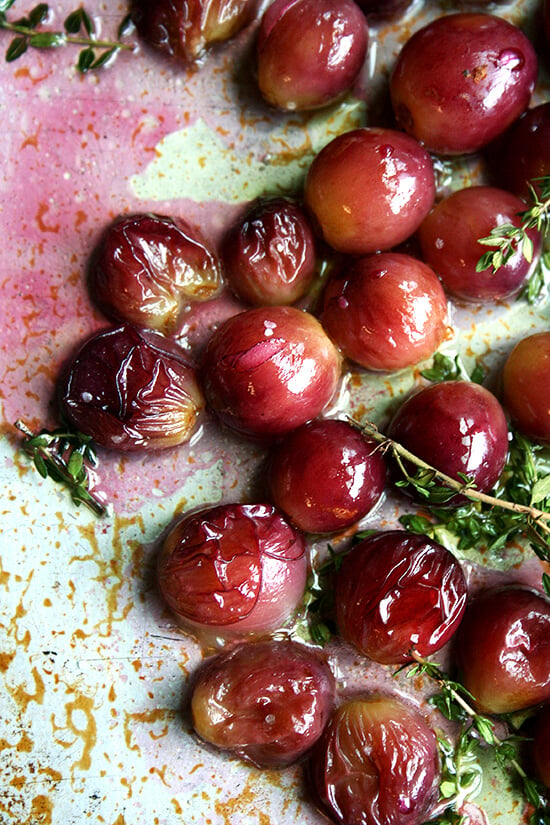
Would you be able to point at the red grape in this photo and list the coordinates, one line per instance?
(385, 311)
(458, 427)
(148, 267)
(376, 764)
(370, 189)
(397, 591)
(503, 649)
(131, 389)
(310, 52)
(461, 80)
(270, 254)
(383, 10)
(524, 152)
(233, 569)
(186, 29)
(449, 240)
(540, 745)
(268, 701)
(325, 475)
(526, 385)
(270, 369)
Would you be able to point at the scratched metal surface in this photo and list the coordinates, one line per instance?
(93, 671)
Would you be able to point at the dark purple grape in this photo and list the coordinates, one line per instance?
(524, 151)
(131, 389)
(310, 52)
(267, 702)
(461, 81)
(449, 239)
(233, 570)
(381, 11)
(325, 475)
(148, 267)
(396, 593)
(269, 255)
(376, 764)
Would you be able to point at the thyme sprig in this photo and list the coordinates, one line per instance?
(64, 456)
(461, 772)
(501, 517)
(78, 30)
(505, 240)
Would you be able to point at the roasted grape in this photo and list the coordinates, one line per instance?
(325, 475)
(376, 764)
(131, 389)
(503, 649)
(449, 238)
(397, 592)
(148, 267)
(233, 570)
(310, 52)
(268, 701)
(268, 370)
(540, 745)
(458, 427)
(269, 255)
(526, 384)
(460, 81)
(386, 311)
(185, 29)
(524, 152)
(370, 189)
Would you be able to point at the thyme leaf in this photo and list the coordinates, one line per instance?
(78, 30)
(64, 457)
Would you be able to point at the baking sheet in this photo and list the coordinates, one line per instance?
(94, 672)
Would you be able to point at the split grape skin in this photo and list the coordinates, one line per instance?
(232, 570)
(449, 90)
(456, 427)
(147, 267)
(526, 384)
(267, 702)
(377, 763)
(506, 667)
(184, 30)
(385, 312)
(449, 241)
(397, 592)
(269, 255)
(369, 189)
(309, 52)
(268, 370)
(325, 475)
(131, 389)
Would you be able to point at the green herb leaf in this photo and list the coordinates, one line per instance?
(85, 59)
(46, 40)
(39, 14)
(17, 47)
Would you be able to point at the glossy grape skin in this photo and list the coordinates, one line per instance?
(524, 151)
(449, 241)
(379, 11)
(456, 427)
(310, 52)
(131, 389)
(147, 267)
(526, 385)
(233, 570)
(539, 747)
(386, 311)
(376, 764)
(183, 30)
(269, 370)
(503, 649)
(462, 80)
(269, 255)
(369, 189)
(325, 475)
(396, 591)
(267, 701)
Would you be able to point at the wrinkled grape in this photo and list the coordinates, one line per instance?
(376, 764)
(233, 569)
(268, 701)
(395, 592)
(131, 389)
(325, 475)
